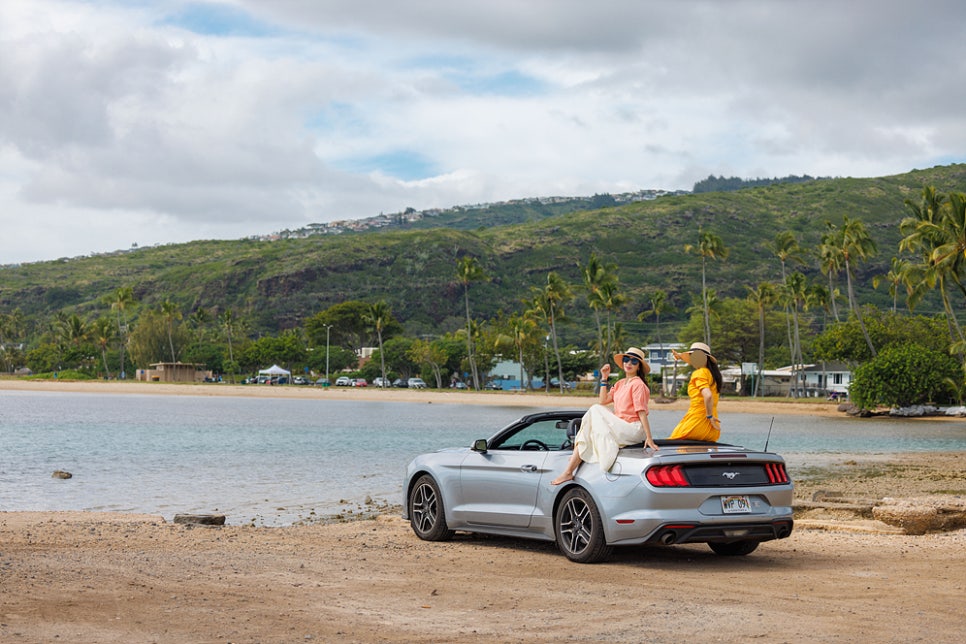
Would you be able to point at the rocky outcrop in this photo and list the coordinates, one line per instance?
(61, 474)
(919, 515)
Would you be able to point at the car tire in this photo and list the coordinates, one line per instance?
(734, 548)
(578, 528)
(426, 515)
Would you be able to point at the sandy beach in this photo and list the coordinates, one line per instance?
(91, 577)
(817, 407)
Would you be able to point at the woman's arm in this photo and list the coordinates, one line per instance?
(709, 406)
(648, 440)
(605, 396)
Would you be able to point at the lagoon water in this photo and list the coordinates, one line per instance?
(275, 462)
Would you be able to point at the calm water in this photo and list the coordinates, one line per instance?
(276, 461)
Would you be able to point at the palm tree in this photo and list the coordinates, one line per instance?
(937, 231)
(794, 294)
(468, 270)
(612, 300)
(830, 263)
(72, 334)
(378, 317)
(549, 302)
(851, 244)
(786, 249)
(710, 246)
(170, 312)
(102, 331)
(521, 330)
(120, 299)
(895, 277)
(762, 297)
(659, 305)
(600, 282)
(228, 323)
(11, 326)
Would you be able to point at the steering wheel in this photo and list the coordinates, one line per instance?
(540, 445)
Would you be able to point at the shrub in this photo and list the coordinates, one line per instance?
(903, 375)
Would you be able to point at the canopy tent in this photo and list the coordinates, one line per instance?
(274, 370)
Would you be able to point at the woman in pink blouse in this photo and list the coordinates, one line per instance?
(602, 431)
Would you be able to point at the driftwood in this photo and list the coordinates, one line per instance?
(61, 474)
(200, 519)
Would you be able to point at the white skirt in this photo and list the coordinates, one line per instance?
(602, 434)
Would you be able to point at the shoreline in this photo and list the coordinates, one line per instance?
(530, 399)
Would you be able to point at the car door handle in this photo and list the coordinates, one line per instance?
(528, 468)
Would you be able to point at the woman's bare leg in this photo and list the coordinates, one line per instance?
(568, 474)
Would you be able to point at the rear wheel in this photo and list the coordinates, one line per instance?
(426, 514)
(580, 533)
(734, 548)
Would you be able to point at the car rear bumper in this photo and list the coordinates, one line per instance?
(684, 533)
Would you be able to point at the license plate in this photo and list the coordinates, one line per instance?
(735, 504)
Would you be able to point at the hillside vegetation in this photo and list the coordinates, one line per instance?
(278, 284)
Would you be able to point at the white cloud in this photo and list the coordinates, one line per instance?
(166, 121)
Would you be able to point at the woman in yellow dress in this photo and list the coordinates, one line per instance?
(701, 420)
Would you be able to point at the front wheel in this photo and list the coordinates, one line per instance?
(426, 514)
(734, 548)
(580, 533)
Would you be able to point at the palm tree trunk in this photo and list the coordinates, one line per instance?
(704, 296)
(469, 339)
(855, 309)
(761, 349)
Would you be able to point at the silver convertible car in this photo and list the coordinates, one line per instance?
(729, 497)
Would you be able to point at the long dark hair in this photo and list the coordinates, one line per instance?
(715, 374)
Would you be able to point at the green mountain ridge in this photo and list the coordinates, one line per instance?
(275, 285)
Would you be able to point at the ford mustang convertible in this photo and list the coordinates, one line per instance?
(729, 497)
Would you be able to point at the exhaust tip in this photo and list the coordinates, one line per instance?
(669, 537)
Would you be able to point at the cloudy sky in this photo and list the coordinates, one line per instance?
(157, 121)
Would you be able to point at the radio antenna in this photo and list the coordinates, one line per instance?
(768, 437)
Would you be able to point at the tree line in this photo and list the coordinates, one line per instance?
(793, 321)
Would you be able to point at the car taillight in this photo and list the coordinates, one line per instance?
(667, 476)
(776, 472)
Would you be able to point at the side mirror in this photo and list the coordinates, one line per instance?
(479, 445)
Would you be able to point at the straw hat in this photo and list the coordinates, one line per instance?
(705, 348)
(634, 352)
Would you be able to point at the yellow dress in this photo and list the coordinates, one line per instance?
(695, 425)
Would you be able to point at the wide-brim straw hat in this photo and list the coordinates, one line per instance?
(634, 352)
(705, 348)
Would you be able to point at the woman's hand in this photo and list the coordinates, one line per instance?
(604, 373)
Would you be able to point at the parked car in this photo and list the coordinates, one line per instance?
(416, 383)
(493, 385)
(399, 382)
(727, 496)
(459, 384)
(301, 380)
(360, 382)
(567, 386)
(323, 382)
(379, 381)
(343, 381)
